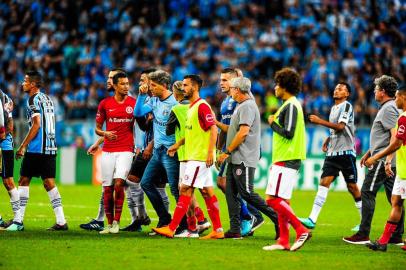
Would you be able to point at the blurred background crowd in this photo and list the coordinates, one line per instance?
(75, 43)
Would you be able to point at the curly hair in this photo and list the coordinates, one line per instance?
(388, 84)
(289, 79)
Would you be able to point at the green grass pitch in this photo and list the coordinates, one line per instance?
(35, 248)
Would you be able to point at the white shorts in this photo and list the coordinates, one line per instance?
(281, 181)
(197, 175)
(399, 187)
(115, 165)
(182, 168)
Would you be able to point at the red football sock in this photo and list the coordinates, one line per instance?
(284, 209)
(199, 214)
(118, 202)
(108, 203)
(390, 227)
(191, 223)
(283, 231)
(180, 210)
(212, 205)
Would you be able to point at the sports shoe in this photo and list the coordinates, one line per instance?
(203, 225)
(308, 223)
(404, 247)
(231, 235)
(159, 225)
(164, 231)
(396, 241)
(15, 226)
(5, 224)
(356, 228)
(58, 227)
(187, 234)
(115, 228)
(301, 240)
(376, 246)
(1, 222)
(106, 230)
(246, 225)
(93, 225)
(357, 239)
(275, 247)
(145, 221)
(256, 223)
(133, 227)
(213, 235)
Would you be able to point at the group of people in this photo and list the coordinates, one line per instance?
(179, 139)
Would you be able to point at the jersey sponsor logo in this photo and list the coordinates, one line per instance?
(188, 126)
(401, 130)
(226, 116)
(159, 123)
(209, 118)
(120, 120)
(129, 109)
(112, 110)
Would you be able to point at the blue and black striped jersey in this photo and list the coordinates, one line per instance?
(44, 142)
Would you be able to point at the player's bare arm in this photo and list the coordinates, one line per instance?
(109, 135)
(174, 148)
(36, 124)
(210, 153)
(319, 121)
(393, 147)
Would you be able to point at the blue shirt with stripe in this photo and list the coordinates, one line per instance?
(226, 111)
(161, 110)
(44, 141)
(7, 144)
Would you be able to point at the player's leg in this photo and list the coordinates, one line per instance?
(233, 205)
(107, 162)
(350, 174)
(278, 193)
(97, 223)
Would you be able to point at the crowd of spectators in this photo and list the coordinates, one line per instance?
(74, 44)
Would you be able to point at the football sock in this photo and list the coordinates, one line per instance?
(56, 202)
(131, 204)
(213, 210)
(180, 210)
(285, 211)
(318, 203)
(283, 231)
(199, 214)
(138, 196)
(191, 223)
(164, 196)
(15, 204)
(244, 213)
(108, 200)
(390, 227)
(24, 192)
(118, 202)
(358, 205)
(100, 213)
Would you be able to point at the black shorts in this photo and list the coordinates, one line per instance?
(345, 163)
(138, 168)
(7, 163)
(38, 165)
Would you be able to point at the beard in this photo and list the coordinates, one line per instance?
(110, 89)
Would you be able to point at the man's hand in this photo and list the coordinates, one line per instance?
(209, 160)
(20, 152)
(92, 149)
(222, 158)
(172, 150)
(143, 89)
(147, 153)
(370, 161)
(388, 169)
(325, 146)
(110, 135)
(314, 119)
(271, 118)
(363, 159)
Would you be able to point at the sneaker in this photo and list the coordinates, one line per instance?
(396, 241)
(115, 228)
(376, 246)
(203, 225)
(308, 223)
(133, 227)
(301, 240)
(213, 235)
(355, 229)
(58, 227)
(1, 222)
(256, 224)
(275, 247)
(357, 239)
(16, 226)
(93, 225)
(5, 224)
(164, 231)
(187, 234)
(106, 230)
(246, 225)
(231, 235)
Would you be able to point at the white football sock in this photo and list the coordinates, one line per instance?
(56, 202)
(358, 205)
(15, 204)
(100, 213)
(131, 204)
(138, 196)
(318, 203)
(24, 192)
